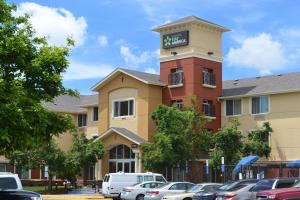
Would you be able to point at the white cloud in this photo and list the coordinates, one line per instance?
(102, 40)
(260, 52)
(54, 23)
(151, 70)
(81, 71)
(135, 60)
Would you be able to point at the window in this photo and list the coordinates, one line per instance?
(7, 183)
(123, 108)
(159, 178)
(148, 178)
(208, 108)
(233, 107)
(209, 77)
(121, 158)
(176, 77)
(260, 104)
(81, 120)
(178, 104)
(95, 113)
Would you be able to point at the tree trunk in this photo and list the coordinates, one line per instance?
(49, 182)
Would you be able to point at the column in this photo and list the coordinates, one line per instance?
(140, 162)
(136, 163)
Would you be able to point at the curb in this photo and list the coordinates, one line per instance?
(71, 197)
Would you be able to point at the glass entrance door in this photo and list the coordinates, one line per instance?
(121, 159)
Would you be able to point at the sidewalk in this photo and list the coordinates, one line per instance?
(79, 194)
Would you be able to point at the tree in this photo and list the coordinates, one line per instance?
(49, 155)
(30, 73)
(228, 143)
(179, 136)
(257, 142)
(83, 153)
(66, 165)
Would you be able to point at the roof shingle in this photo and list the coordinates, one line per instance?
(70, 104)
(262, 85)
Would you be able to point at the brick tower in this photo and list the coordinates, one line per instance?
(191, 64)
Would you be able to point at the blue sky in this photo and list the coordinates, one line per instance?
(265, 36)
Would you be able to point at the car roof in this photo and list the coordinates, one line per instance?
(209, 183)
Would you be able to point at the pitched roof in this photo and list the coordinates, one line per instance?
(124, 133)
(262, 85)
(190, 19)
(152, 79)
(70, 104)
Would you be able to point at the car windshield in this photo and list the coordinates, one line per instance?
(163, 185)
(136, 184)
(195, 188)
(297, 184)
(228, 185)
(263, 185)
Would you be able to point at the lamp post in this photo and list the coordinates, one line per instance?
(223, 166)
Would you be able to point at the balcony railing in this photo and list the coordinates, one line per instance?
(209, 78)
(176, 78)
(209, 110)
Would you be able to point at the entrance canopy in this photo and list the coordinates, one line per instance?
(294, 164)
(244, 163)
(124, 133)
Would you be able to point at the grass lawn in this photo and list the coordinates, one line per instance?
(44, 189)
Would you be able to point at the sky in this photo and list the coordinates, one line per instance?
(264, 37)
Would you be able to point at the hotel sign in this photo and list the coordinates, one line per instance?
(175, 39)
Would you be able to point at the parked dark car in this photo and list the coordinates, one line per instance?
(269, 184)
(19, 195)
(212, 195)
(292, 193)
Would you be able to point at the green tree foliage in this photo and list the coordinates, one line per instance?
(179, 136)
(62, 164)
(86, 151)
(257, 142)
(228, 143)
(48, 155)
(30, 73)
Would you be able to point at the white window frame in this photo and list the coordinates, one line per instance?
(126, 116)
(225, 108)
(264, 113)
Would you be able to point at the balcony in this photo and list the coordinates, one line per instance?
(209, 79)
(176, 79)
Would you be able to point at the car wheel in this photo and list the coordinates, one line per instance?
(140, 197)
(187, 198)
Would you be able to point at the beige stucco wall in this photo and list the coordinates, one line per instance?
(147, 99)
(65, 140)
(284, 117)
(202, 39)
(92, 126)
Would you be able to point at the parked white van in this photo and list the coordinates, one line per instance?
(113, 183)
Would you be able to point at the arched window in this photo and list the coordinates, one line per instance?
(121, 158)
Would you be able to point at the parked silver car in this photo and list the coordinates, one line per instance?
(168, 188)
(187, 195)
(240, 192)
(138, 191)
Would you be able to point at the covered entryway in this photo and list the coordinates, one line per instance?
(122, 152)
